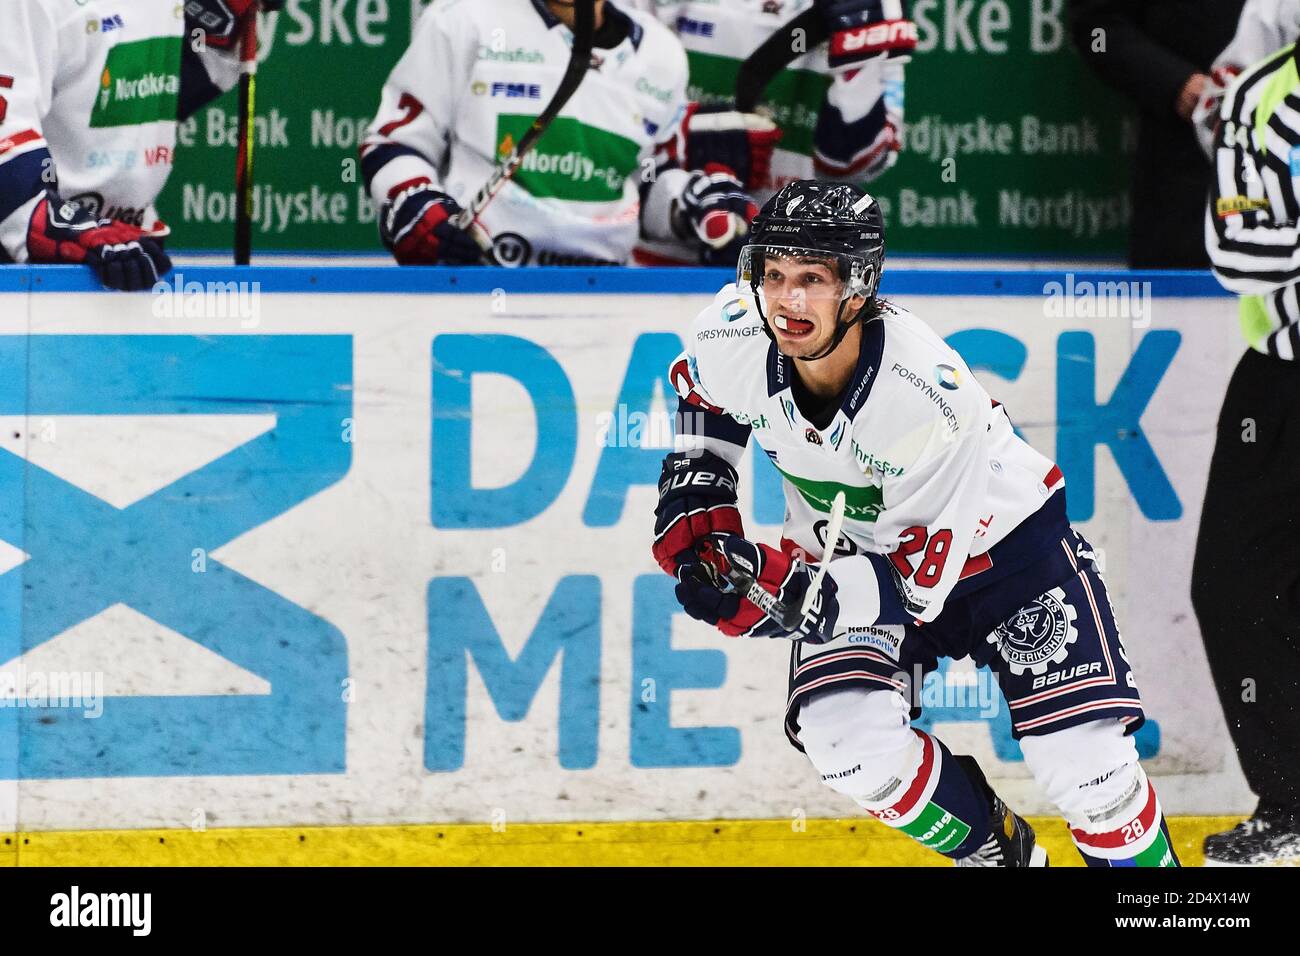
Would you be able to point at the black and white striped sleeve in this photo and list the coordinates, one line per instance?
(1252, 223)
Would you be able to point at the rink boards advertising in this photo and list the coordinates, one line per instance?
(1011, 146)
(369, 546)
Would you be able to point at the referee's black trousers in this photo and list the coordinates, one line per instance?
(1246, 575)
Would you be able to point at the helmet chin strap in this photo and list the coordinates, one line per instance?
(841, 328)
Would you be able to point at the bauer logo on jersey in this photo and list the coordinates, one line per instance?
(1037, 635)
(140, 83)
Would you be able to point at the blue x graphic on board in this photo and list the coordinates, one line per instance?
(87, 555)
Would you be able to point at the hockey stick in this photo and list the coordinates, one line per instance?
(787, 616)
(244, 151)
(833, 527)
(776, 53)
(584, 34)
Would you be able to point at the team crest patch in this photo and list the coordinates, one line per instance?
(813, 436)
(1038, 634)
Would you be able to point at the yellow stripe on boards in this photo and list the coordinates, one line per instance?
(842, 842)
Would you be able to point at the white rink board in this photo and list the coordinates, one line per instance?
(360, 556)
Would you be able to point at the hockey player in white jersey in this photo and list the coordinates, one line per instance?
(90, 95)
(606, 172)
(955, 543)
(835, 113)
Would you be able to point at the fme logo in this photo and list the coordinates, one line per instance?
(699, 28)
(514, 91)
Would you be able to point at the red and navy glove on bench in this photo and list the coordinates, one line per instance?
(703, 592)
(862, 30)
(415, 226)
(697, 499)
(123, 256)
(719, 136)
(715, 209)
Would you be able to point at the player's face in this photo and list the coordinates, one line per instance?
(801, 297)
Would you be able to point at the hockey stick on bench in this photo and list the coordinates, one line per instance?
(775, 54)
(584, 35)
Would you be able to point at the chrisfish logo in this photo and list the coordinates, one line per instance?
(948, 377)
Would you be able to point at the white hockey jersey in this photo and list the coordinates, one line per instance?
(478, 72)
(934, 476)
(842, 127)
(89, 97)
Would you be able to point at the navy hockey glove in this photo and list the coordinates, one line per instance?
(862, 30)
(769, 590)
(716, 210)
(219, 20)
(415, 226)
(123, 256)
(718, 136)
(697, 498)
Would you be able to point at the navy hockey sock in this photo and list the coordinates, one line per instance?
(943, 808)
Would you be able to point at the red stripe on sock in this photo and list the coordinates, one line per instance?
(1124, 835)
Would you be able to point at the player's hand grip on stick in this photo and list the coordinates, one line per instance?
(751, 590)
(415, 225)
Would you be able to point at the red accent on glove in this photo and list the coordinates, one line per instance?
(240, 9)
(772, 574)
(408, 184)
(691, 529)
(872, 39)
(43, 248)
(762, 144)
(420, 245)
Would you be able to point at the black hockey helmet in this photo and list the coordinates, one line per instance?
(820, 220)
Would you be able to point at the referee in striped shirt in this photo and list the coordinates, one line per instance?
(1246, 576)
